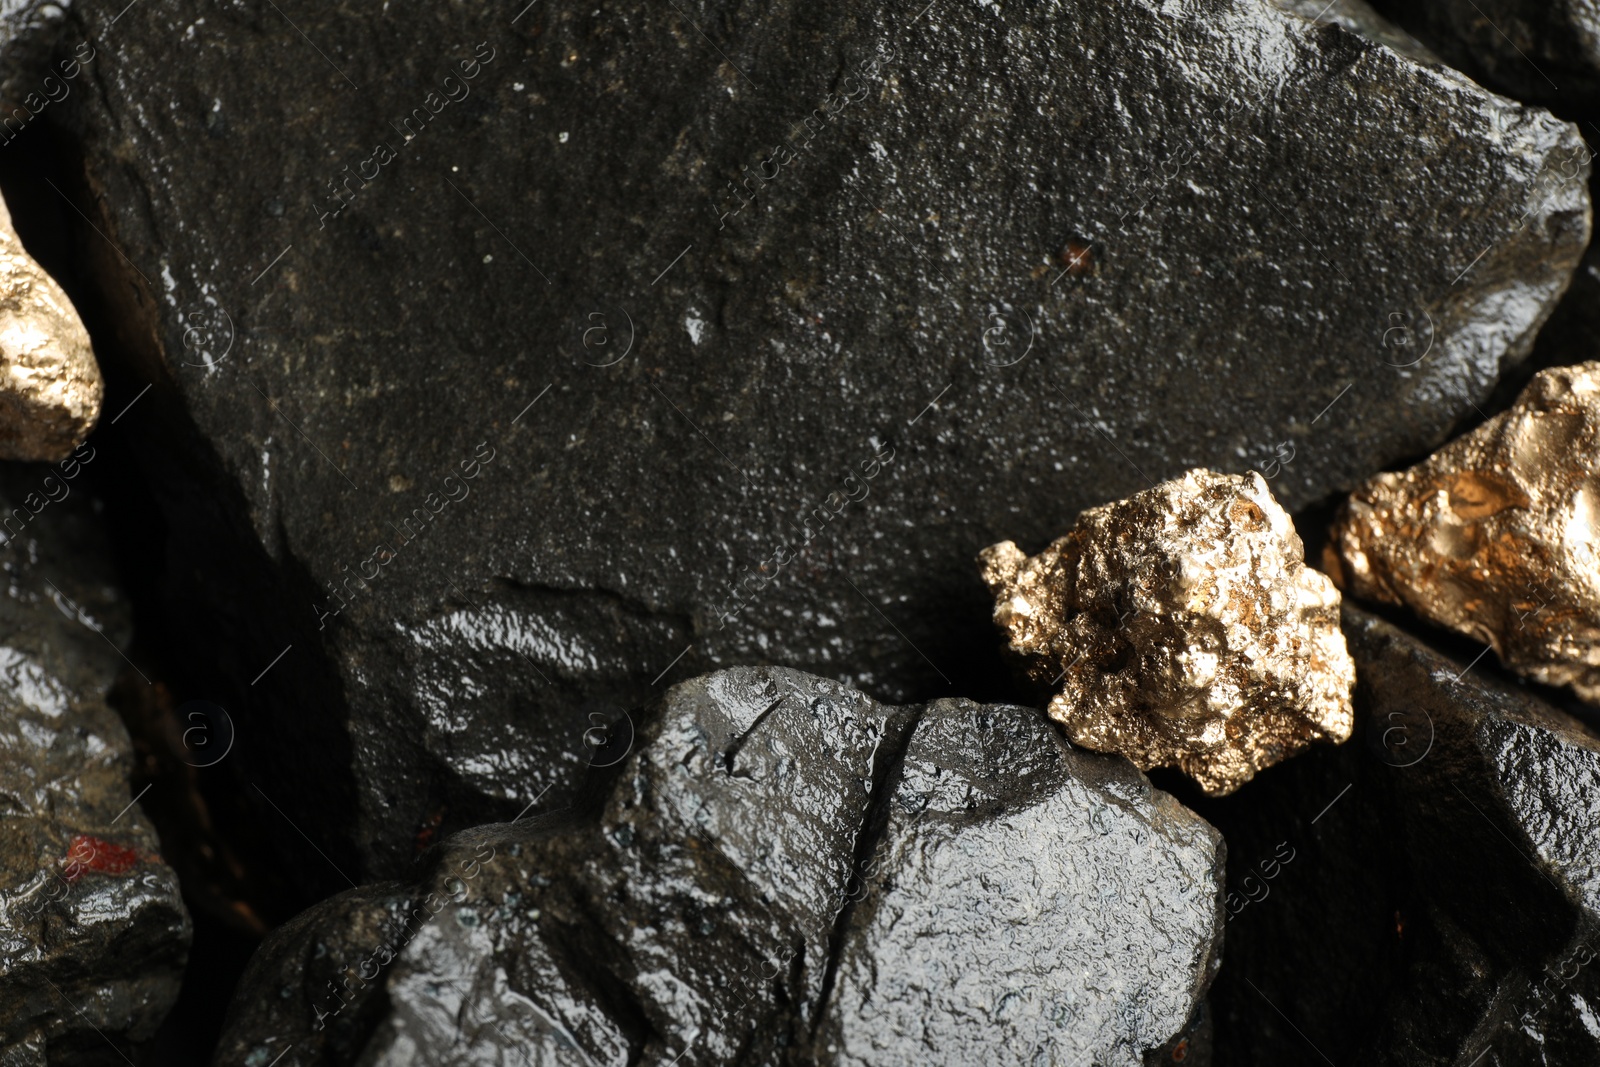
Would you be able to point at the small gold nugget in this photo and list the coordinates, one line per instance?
(1184, 629)
(1494, 535)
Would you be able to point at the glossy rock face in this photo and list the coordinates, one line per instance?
(1182, 629)
(888, 319)
(786, 872)
(1019, 890)
(93, 932)
(50, 386)
(1497, 535)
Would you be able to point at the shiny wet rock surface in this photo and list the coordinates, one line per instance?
(477, 374)
(786, 872)
(615, 370)
(93, 932)
(1426, 893)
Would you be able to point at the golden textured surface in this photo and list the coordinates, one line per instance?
(50, 388)
(1183, 628)
(1494, 534)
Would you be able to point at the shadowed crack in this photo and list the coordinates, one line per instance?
(887, 766)
(732, 751)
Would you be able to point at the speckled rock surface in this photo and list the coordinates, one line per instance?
(1358, 16)
(1428, 893)
(784, 287)
(731, 898)
(93, 934)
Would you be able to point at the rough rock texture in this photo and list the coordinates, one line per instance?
(1427, 894)
(1011, 909)
(1494, 535)
(786, 872)
(770, 420)
(93, 934)
(1183, 629)
(50, 386)
(1546, 51)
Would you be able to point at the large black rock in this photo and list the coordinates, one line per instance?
(93, 932)
(1428, 893)
(508, 357)
(786, 872)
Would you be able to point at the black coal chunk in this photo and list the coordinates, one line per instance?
(786, 872)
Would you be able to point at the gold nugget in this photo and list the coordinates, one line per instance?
(1183, 628)
(50, 386)
(1494, 535)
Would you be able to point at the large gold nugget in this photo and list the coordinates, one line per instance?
(50, 388)
(1494, 535)
(1184, 628)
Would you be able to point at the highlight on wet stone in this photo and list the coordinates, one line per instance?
(1181, 627)
(1493, 536)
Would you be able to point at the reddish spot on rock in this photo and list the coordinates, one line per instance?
(429, 828)
(1077, 258)
(89, 853)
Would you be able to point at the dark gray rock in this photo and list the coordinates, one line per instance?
(1428, 893)
(1543, 51)
(536, 413)
(1029, 904)
(731, 837)
(93, 932)
(1571, 334)
(736, 900)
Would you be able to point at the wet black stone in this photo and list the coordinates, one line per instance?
(1426, 893)
(536, 414)
(729, 903)
(1029, 904)
(93, 932)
